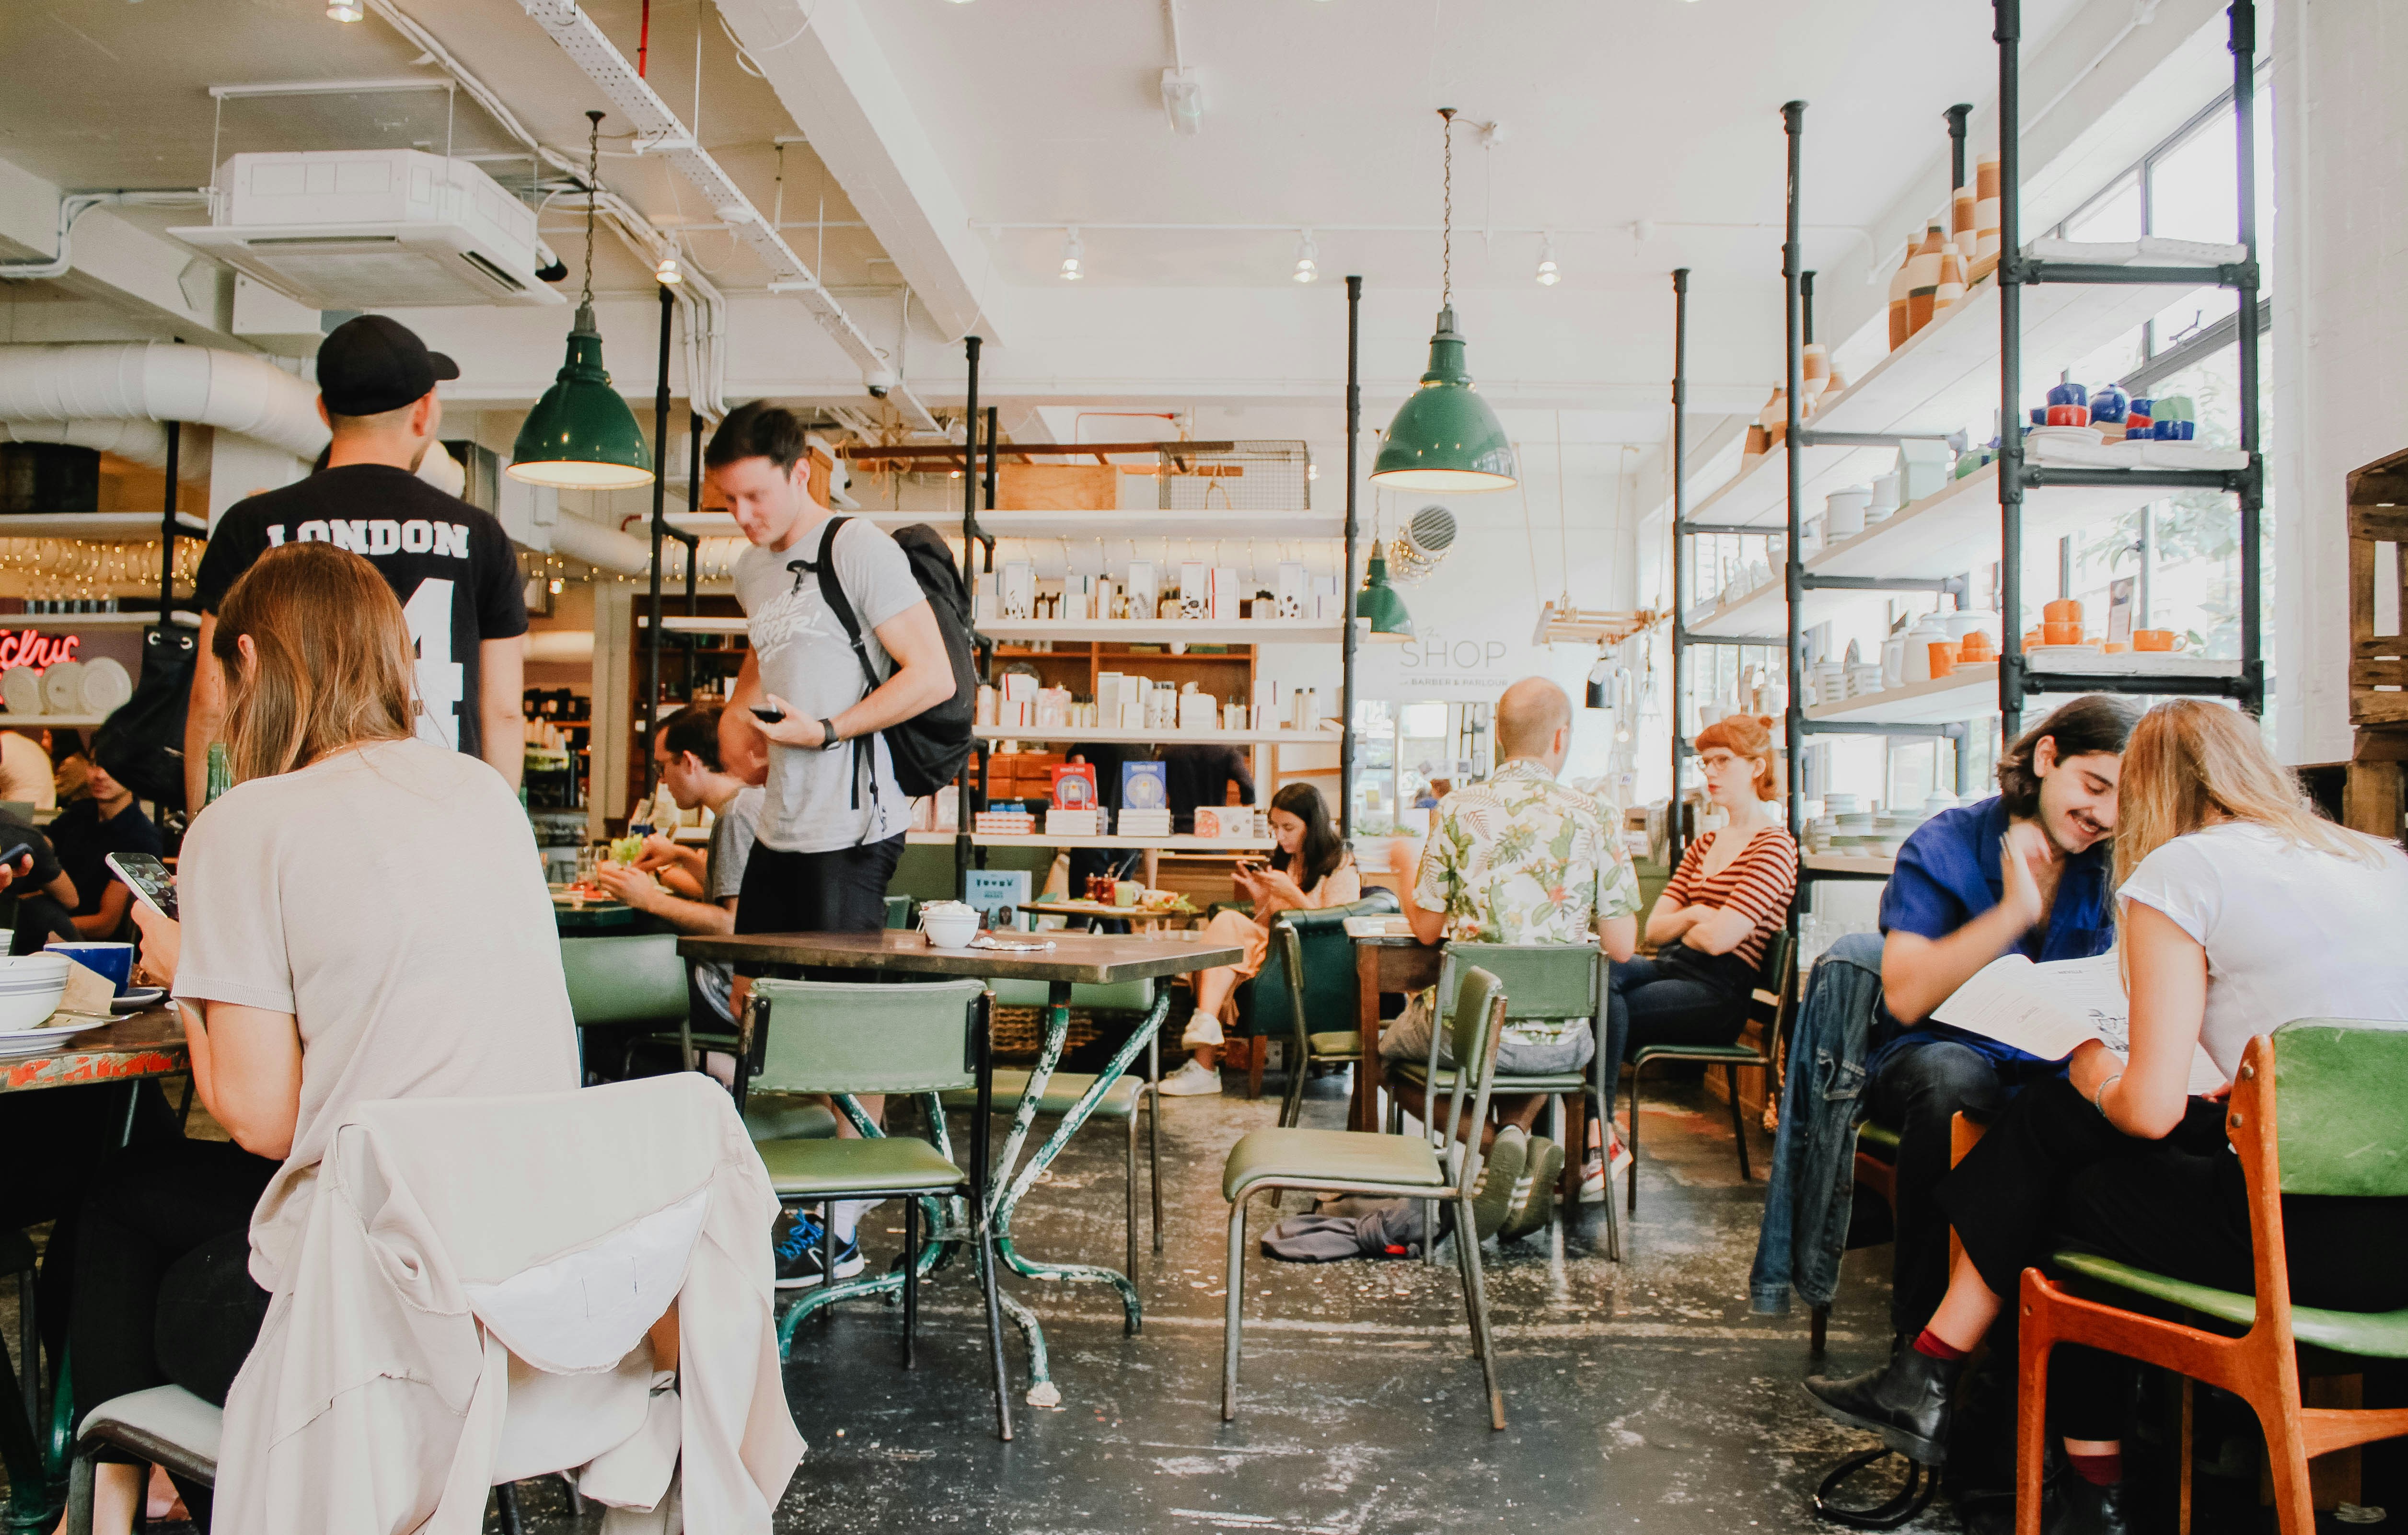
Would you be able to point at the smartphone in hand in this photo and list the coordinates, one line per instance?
(768, 716)
(149, 878)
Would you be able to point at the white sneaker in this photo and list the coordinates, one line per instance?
(1194, 1080)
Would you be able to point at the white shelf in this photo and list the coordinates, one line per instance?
(1244, 631)
(1838, 863)
(1201, 527)
(1943, 379)
(1038, 839)
(1947, 532)
(94, 621)
(1098, 736)
(679, 624)
(51, 721)
(108, 528)
(1969, 693)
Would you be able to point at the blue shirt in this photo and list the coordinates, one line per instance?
(1948, 874)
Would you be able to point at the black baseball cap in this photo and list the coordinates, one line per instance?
(369, 364)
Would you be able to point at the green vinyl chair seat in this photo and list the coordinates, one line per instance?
(2378, 1335)
(1063, 1091)
(1743, 1055)
(812, 1169)
(776, 1116)
(1548, 1082)
(1337, 1046)
(1306, 1158)
(1880, 1140)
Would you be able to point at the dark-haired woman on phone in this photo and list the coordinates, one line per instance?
(1311, 869)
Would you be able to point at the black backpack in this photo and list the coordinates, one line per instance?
(930, 749)
(142, 744)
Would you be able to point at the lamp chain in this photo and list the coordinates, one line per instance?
(592, 193)
(1446, 247)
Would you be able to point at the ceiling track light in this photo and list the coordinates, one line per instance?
(668, 273)
(1548, 275)
(1304, 251)
(1074, 252)
(347, 11)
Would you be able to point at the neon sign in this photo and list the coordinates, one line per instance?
(37, 650)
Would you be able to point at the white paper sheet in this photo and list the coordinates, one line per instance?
(2050, 1010)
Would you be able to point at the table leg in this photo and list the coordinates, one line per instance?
(30, 1507)
(1365, 1115)
(1057, 1029)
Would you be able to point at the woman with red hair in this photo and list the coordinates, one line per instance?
(1729, 896)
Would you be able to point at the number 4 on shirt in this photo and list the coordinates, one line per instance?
(440, 678)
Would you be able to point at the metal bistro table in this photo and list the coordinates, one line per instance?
(1075, 958)
(144, 1045)
(1387, 958)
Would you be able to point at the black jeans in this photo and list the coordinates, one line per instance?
(2054, 1173)
(163, 1289)
(843, 890)
(1924, 1083)
(1680, 997)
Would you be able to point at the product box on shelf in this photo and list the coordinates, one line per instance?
(1144, 588)
(1086, 822)
(990, 888)
(1019, 589)
(1196, 710)
(1000, 823)
(1295, 589)
(1145, 786)
(1328, 605)
(1074, 786)
(1143, 823)
(1226, 593)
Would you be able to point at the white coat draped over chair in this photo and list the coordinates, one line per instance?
(470, 1305)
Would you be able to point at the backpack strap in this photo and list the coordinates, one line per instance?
(832, 592)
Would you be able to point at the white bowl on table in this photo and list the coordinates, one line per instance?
(30, 988)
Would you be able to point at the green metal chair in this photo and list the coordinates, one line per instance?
(1404, 1166)
(1542, 980)
(1308, 1047)
(2341, 1129)
(1267, 1006)
(843, 1039)
(1063, 1089)
(1769, 1004)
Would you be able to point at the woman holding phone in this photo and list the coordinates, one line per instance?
(2240, 910)
(314, 972)
(1311, 868)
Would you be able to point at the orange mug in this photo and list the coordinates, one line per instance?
(2034, 637)
(2063, 610)
(1943, 657)
(2055, 632)
(2114, 647)
(2158, 639)
(1976, 647)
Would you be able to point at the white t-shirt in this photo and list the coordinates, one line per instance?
(806, 659)
(391, 900)
(2290, 932)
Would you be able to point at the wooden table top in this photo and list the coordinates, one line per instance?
(144, 1045)
(1387, 931)
(1090, 957)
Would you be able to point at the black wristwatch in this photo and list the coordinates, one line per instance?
(829, 739)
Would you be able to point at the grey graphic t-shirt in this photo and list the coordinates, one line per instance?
(810, 803)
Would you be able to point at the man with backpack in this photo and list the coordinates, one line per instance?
(833, 820)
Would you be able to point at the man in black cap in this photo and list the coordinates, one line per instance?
(451, 564)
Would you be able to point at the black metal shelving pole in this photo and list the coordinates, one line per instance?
(970, 536)
(1792, 115)
(650, 714)
(2007, 33)
(1680, 515)
(167, 531)
(1346, 640)
(1955, 117)
(2243, 15)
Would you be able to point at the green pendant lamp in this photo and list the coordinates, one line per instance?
(581, 435)
(1445, 437)
(1378, 605)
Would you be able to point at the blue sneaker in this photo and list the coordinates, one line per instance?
(797, 1247)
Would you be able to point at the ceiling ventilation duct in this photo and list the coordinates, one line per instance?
(1417, 550)
(373, 229)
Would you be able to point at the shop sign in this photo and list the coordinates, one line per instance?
(1450, 663)
(35, 649)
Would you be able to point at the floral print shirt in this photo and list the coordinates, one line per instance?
(1520, 858)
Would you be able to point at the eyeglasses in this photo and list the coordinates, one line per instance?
(1715, 762)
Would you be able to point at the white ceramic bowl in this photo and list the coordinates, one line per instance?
(30, 988)
(950, 929)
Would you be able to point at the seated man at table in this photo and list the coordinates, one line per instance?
(1520, 858)
(1955, 903)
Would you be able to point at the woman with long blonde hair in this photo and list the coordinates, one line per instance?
(364, 917)
(2242, 910)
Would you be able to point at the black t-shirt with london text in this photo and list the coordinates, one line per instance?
(449, 563)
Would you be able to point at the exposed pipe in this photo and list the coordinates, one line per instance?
(73, 206)
(603, 548)
(143, 442)
(151, 381)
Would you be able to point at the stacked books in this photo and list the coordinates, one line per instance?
(1073, 823)
(1004, 824)
(1144, 823)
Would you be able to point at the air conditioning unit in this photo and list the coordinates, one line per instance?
(373, 229)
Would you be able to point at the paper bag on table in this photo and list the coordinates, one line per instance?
(88, 994)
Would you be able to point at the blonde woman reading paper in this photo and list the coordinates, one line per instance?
(316, 969)
(2240, 911)
(1310, 870)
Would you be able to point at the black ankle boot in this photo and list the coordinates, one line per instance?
(2085, 1508)
(1906, 1402)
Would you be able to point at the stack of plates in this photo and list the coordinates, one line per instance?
(96, 688)
(30, 988)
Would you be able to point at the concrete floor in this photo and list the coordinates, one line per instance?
(1642, 1396)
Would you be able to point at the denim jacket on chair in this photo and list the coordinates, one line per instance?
(1813, 1156)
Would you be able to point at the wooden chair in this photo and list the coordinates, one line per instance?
(2342, 1129)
